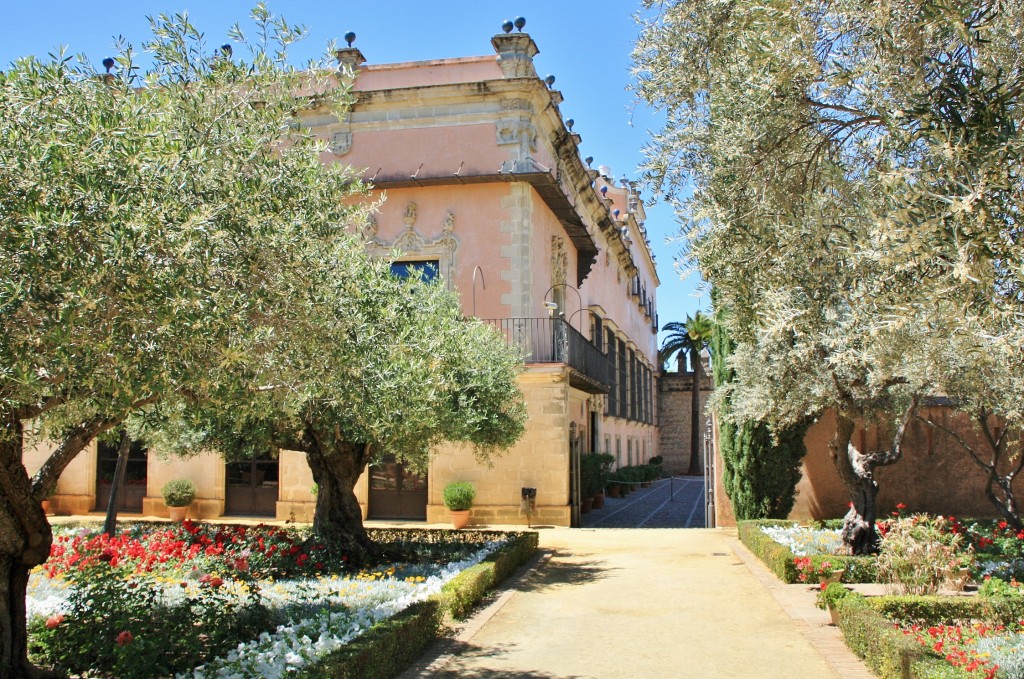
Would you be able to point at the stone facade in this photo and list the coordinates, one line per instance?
(674, 415)
(484, 181)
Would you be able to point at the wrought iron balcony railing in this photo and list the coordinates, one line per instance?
(552, 340)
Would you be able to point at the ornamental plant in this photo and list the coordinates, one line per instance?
(916, 554)
(829, 596)
(810, 569)
(179, 492)
(459, 496)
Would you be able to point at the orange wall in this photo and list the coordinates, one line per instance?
(935, 475)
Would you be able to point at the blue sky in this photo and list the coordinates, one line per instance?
(585, 45)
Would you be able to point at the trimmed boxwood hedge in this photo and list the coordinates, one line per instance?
(887, 651)
(781, 561)
(867, 625)
(393, 644)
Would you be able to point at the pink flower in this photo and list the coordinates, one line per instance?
(125, 638)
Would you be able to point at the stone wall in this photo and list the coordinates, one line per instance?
(674, 389)
(539, 460)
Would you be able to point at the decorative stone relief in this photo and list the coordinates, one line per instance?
(559, 260)
(520, 132)
(341, 143)
(414, 245)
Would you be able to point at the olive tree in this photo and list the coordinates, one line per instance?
(141, 210)
(379, 366)
(855, 173)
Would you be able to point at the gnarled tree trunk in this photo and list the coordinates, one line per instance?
(25, 540)
(857, 471)
(338, 521)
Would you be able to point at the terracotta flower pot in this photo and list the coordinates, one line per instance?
(47, 506)
(177, 514)
(586, 505)
(827, 579)
(599, 501)
(613, 490)
(834, 613)
(460, 519)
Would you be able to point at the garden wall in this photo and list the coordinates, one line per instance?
(936, 475)
(674, 394)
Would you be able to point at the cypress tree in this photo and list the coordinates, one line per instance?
(760, 470)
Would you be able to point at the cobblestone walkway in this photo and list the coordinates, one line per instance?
(669, 503)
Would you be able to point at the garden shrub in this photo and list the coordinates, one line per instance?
(916, 554)
(887, 651)
(760, 471)
(386, 649)
(129, 625)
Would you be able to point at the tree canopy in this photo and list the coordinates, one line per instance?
(172, 242)
(856, 174)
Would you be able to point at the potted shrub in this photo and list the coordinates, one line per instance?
(590, 480)
(458, 498)
(604, 472)
(828, 597)
(178, 495)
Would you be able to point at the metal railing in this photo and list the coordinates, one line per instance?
(552, 340)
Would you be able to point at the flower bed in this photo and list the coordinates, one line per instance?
(236, 601)
(781, 560)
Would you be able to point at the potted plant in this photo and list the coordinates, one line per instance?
(458, 498)
(828, 597)
(604, 472)
(178, 495)
(47, 502)
(590, 480)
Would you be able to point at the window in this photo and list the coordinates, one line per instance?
(629, 451)
(597, 332)
(613, 393)
(426, 269)
(618, 451)
(623, 381)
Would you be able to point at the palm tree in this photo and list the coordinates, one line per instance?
(690, 338)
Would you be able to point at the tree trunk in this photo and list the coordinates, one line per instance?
(25, 540)
(696, 427)
(338, 520)
(120, 470)
(857, 471)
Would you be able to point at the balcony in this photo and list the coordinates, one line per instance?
(552, 340)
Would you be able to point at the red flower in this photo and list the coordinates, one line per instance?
(125, 638)
(901, 506)
(54, 620)
(216, 581)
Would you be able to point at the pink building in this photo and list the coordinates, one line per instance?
(485, 187)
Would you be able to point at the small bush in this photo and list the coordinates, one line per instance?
(917, 554)
(459, 496)
(179, 492)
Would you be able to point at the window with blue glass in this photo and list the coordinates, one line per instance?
(426, 269)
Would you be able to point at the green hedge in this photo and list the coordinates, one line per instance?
(386, 650)
(781, 561)
(887, 651)
(393, 644)
(948, 610)
(467, 588)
